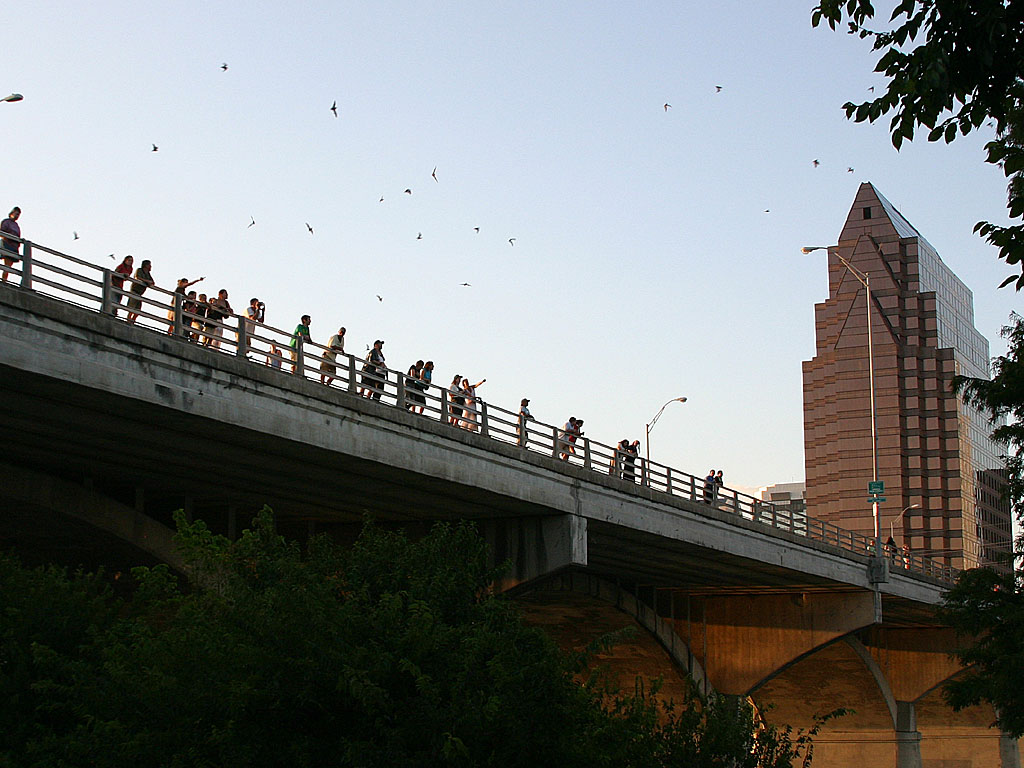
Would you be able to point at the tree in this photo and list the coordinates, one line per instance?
(952, 66)
(388, 653)
(985, 606)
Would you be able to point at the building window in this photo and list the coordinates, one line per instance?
(867, 212)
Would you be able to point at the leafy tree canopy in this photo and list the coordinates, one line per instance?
(987, 607)
(952, 66)
(389, 653)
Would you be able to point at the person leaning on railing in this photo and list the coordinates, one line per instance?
(181, 296)
(301, 332)
(125, 270)
(143, 279)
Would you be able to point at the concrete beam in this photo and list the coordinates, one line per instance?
(751, 638)
(535, 546)
(43, 491)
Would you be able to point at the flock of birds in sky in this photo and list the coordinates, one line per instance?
(408, 190)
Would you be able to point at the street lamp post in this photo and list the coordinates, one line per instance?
(654, 421)
(892, 523)
(864, 279)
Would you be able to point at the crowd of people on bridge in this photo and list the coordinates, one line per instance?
(201, 320)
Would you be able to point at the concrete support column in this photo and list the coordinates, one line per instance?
(1009, 751)
(908, 738)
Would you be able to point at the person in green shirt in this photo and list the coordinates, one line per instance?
(301, 331)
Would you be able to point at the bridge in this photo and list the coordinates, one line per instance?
(109, 427)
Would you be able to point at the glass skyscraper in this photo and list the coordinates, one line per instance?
(941, 469)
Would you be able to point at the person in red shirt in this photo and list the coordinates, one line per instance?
(125, 269)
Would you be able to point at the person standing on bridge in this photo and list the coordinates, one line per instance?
(125, 270)
(426, 375)
(143, 280)
(709, 487)
(10, 249)
(719, 484)
(470, 411)
(375, 372)
(218, 312)
(524, 416)
(329, 367)
(301, 332)
(455, 394)
(181, 296)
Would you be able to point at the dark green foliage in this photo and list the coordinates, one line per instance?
(986, 607)
(952, 66)
(390, 653)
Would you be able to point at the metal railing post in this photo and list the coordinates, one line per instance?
(555, 445)
(483, 417)
(242, 349)
(26, 266)
(176, 305)
(107, 293)
(586, 453)
(645, 474)
(351, 373)
(444, 405)
(400, 397)
(668, 480)
(300, 359)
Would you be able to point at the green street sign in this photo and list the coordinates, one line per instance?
(879, 499)
(876, 487)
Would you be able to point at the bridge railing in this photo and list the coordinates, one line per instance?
(96, 288)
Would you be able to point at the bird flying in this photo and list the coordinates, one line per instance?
(718, 89)
(309, 228)
(466, 284)
(381, 199)
(512, 242)
(667, 106)
(419, 235)
(334, 108)
(408, 191)
(850, 169)
(477, 230)
(816, 163)
(379, 297)
(224, 66)
(155, 148)
(75, 234)
(252, 223)
(434, 173)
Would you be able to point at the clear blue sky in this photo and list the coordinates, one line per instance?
(644, 265)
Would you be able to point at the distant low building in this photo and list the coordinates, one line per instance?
(791, 496)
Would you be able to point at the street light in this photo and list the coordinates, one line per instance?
(654, 421)
(13, 97)
(864, 280)
(898, 517)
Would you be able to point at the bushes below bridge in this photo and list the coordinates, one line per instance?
(388, 653)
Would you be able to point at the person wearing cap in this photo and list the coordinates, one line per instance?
(180, 296)
(9, 249)
(524, 416)
(375, 372)
(301, 332)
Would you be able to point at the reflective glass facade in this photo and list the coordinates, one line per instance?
(942, 472)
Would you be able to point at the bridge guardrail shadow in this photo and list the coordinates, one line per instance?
(100, 289)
